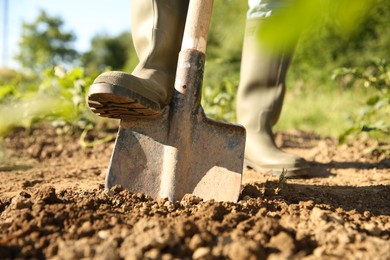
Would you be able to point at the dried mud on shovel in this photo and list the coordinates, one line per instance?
(53, 205)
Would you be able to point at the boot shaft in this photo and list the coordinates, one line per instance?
(259, 103)
(262, 81)
(157, 30)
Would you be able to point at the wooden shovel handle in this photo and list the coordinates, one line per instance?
(197, 25)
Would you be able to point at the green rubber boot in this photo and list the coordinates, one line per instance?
(157, 31)
(259, 103)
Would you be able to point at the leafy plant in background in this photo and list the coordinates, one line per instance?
(114, 52)
(219, 100)
(374, 115)
(71, 86)
(59, 98)
(44, 44)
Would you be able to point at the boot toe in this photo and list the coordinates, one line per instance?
(293, 167)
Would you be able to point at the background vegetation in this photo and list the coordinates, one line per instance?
(338, 82)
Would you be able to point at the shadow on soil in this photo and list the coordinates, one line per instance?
(323, 170)
(384, 164)
(367, 198)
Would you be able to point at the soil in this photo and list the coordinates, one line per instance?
(53, 205)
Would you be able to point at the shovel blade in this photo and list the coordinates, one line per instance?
(137, 158)
(147, 159)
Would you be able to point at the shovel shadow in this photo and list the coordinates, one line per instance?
(214, 169)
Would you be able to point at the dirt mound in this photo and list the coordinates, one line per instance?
(53, 205)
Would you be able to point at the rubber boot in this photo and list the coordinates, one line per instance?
(157, 31)
(259, 103)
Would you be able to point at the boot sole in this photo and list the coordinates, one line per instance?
(289, 172)
(113, 101)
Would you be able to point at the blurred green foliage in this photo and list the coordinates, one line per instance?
(44, 44)
(223, 58)
(331, 35)
(59, 98)
(374, 113)
(322, 50)
(336, 34)
(285, 26)
(108, 52)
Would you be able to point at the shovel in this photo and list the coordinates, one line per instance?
(181, 151)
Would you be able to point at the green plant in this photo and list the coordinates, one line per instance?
(374, 115)
(114, 52)
(282, 182)
(59, 98)
(219, 100)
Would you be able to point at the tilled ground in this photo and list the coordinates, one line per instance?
(53, 205)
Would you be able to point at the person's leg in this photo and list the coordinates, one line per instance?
(260, 99)
(157, 30)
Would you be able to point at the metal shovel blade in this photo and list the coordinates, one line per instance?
(147, 160)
